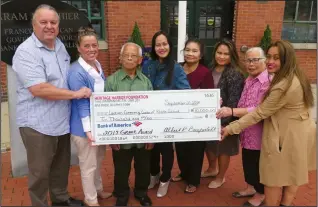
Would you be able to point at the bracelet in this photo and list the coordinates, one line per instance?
(232, 111)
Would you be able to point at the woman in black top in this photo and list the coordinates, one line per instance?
(227, 76)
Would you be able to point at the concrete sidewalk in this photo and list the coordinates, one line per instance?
(15, 193)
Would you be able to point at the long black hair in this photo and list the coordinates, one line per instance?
(235, 61)
(168, 61)
(201, 46)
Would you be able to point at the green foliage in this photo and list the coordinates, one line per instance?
(136, 36)
(266, 39)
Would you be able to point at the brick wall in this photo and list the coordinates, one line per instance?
(120, 19)
(251, 19)
(103, 58)
(307, 62)
(3, 79)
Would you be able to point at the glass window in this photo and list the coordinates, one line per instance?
(304, 8)
(300, 21)
(210, 23)
(314, 12)
(290, 10)
(94, 11)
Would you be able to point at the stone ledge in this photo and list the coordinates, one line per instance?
(305, 46)
(103, 45)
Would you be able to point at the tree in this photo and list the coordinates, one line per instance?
(266, 39)
(136, 36)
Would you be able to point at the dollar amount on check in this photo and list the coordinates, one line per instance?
(155, 116)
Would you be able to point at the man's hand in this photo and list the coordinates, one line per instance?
(149, 146)
(115, 146)
(224, 112)
(83, 93)
(224, 133)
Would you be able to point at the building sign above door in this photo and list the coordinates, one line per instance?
(16, 25)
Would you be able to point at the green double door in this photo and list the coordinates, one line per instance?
(207, 20)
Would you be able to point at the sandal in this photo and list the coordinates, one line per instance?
(249, 204)
(237, 194)
(190, 189)
(177, 178)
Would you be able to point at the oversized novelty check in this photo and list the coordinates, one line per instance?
(155, 116)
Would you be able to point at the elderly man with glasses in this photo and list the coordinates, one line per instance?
(130, 78)
(255, 87)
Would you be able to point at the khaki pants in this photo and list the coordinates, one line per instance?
(49, 162)
(90, 160)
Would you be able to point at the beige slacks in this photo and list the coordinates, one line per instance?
(90, 160)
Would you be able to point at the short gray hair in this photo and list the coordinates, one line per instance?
(45, 6)
(131, 43)
(256, 49)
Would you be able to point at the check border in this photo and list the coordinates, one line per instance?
(159, 140)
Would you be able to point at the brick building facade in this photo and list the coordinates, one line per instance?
(250, 20)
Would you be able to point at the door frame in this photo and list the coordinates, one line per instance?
(194, 15)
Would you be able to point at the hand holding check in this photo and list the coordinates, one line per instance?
(224, 133)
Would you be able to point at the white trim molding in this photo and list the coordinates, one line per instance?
(305, 46)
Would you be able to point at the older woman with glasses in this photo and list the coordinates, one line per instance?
(255, 87)
(288, 141)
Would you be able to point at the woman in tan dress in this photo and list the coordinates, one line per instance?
(288, 145)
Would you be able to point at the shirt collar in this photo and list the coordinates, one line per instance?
(87, 67)
(38, 43)
(262, 78)
(122, 74)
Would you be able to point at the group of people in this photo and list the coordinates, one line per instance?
(267, 112)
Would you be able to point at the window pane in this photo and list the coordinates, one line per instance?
(80, 5)
(299, 32)
(314, 12)
(173, 20)
(202, 25)
(217, 21)
(96, 8)
(290, 10)
(312, 33)
(97, 25)
(202, 34)
(304, 10)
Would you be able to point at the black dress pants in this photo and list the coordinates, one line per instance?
(166, 150)
(122, 162)
(190, 157)
(250, 159)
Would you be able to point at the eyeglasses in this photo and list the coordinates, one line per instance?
(253, 60)
(127, 56)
